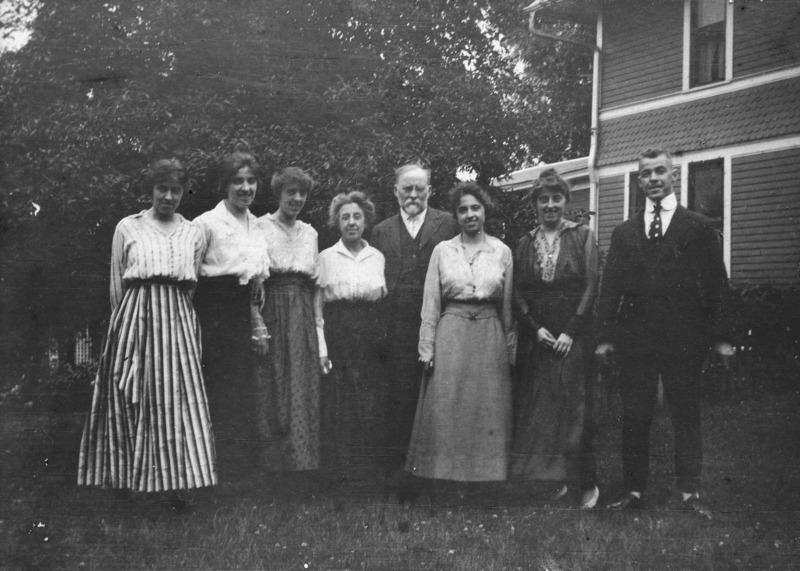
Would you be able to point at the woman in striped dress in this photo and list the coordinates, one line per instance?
(149, 427)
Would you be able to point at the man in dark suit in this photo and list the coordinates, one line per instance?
(659, 312)
(407, 241)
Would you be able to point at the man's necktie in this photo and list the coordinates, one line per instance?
(655, 225)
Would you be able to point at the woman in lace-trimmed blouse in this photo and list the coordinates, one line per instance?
(235, 264)
(462, 427)
(289, 411)
(556, 272)
(351, 285)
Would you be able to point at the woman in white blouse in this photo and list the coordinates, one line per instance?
(463, 421)
(149, 427)
(351, 285)
(234, 266)
(290, 411)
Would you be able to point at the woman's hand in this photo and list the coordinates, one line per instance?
(325, 364)
(259, 340)
(562, 345)
(544, 337)
(260, 345)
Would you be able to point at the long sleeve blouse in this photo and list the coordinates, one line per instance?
(292, 250)
(488, 276)
(234, 249)
(141, 250)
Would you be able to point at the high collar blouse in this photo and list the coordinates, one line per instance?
(453, 275)
(141, 250)
(291, 250)
(351, 277)
(234, 249)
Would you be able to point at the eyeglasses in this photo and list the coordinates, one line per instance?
(413, 187)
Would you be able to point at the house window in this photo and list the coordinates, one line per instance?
(707, 42)
(707, 191)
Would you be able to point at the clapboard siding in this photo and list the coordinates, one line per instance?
(642, 51)
(579, 200)
(766, 35)
(612, 201)
(765, 217)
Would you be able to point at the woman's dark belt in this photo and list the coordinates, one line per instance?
(290, 278)
(355, 304)
(160, 280)
(471, 309)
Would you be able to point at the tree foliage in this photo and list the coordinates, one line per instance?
(347, 89)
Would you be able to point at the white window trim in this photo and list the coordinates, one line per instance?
(727, 165)
(626, 198)
(687, 48)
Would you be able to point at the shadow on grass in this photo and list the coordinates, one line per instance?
(316, 521)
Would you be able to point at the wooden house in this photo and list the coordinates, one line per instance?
(717, 83)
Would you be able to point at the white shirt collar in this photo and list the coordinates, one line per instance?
(418, 219)
(365, 252)
(669, 202)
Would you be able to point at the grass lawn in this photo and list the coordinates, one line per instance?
(751, 478)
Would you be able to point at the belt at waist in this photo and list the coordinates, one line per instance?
(351, 304)
(159, 280)
(477, 309)
(294, 278)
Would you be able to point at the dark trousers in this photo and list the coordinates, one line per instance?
(680, 376)
(405, 374)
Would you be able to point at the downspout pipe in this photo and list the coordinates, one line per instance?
(594, 187)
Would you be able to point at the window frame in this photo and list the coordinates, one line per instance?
(688, 49)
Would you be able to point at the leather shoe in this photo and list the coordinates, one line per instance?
(693, 504)
(627, 501)
(589, 498)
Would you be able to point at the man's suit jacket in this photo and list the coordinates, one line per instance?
(438, 226)
(664, 298)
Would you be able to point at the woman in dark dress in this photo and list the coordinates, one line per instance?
(555, 282)
(234, 340)
(351, 285)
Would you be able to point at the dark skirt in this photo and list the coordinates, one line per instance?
(223, 307)
(462, 429)
(149, 428)
(355, 395)
(289, 399)
(552, 415)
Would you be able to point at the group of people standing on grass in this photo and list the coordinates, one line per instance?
(396, 355)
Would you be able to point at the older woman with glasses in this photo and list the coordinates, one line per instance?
(351, 285)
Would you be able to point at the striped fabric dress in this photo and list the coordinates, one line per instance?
(149, 428)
